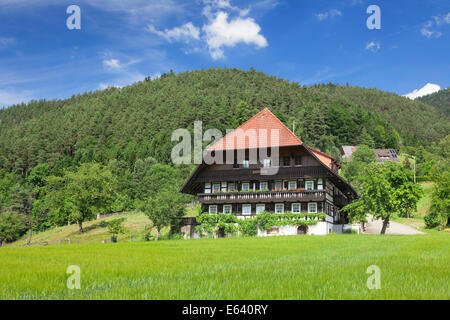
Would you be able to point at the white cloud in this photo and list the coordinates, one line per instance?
(216, 5)
(185, 33)
(226, 26)
(429, 88)
(112, 63)
(373, 46)
(220, 33)
(328, 14)
(430, 28)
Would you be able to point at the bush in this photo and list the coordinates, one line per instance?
(211, 223)
(248, 227)
(115, 227)
(12, 226)
(432, 220)
(176, 236)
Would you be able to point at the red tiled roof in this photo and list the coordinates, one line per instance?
(264, 121)
(322, 156)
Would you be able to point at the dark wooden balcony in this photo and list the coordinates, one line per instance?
(284, 173)
(262, 197)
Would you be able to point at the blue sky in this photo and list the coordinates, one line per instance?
(121, 42)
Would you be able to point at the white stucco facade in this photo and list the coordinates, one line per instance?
(321, 228)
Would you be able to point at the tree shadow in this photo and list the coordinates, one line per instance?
(101, 224)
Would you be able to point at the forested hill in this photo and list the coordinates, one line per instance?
(136, 121)
(440, 100)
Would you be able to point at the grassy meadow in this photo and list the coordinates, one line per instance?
(296, 267)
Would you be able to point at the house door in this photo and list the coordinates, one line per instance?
(302, 230)
(221, 233)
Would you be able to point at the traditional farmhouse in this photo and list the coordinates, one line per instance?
(306, 179)
(381, 155)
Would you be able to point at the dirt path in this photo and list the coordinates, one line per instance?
(374, 227)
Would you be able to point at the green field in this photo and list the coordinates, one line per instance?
(297, 267)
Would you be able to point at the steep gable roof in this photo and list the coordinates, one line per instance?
(264, 120)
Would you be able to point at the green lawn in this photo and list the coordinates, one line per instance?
(297, 267)
(425, 201)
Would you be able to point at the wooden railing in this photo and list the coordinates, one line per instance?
(275, 196)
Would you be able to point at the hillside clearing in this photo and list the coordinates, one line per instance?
(94, 231)
(297, 267)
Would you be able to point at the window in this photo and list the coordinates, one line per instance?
(286, 161)
(260, 208)
(246, 209)
(245, 186)
(278, 185)
(266, 163)
(309, 185)
(231, 187)
(296, 208)
(227, 208)
(312, 207)
(273, 230)
(292, 185)
(320, 184)
(263, 185)
(212, 209)
(216, 187)
(246, 164)
(224, 187)
(279, 207)
(235, 165)
(298, 160)
(207, 187)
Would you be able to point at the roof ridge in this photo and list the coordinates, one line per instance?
(271, 118)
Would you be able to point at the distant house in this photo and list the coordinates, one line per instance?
(346, 152)
(307, 180)
(381, 155)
